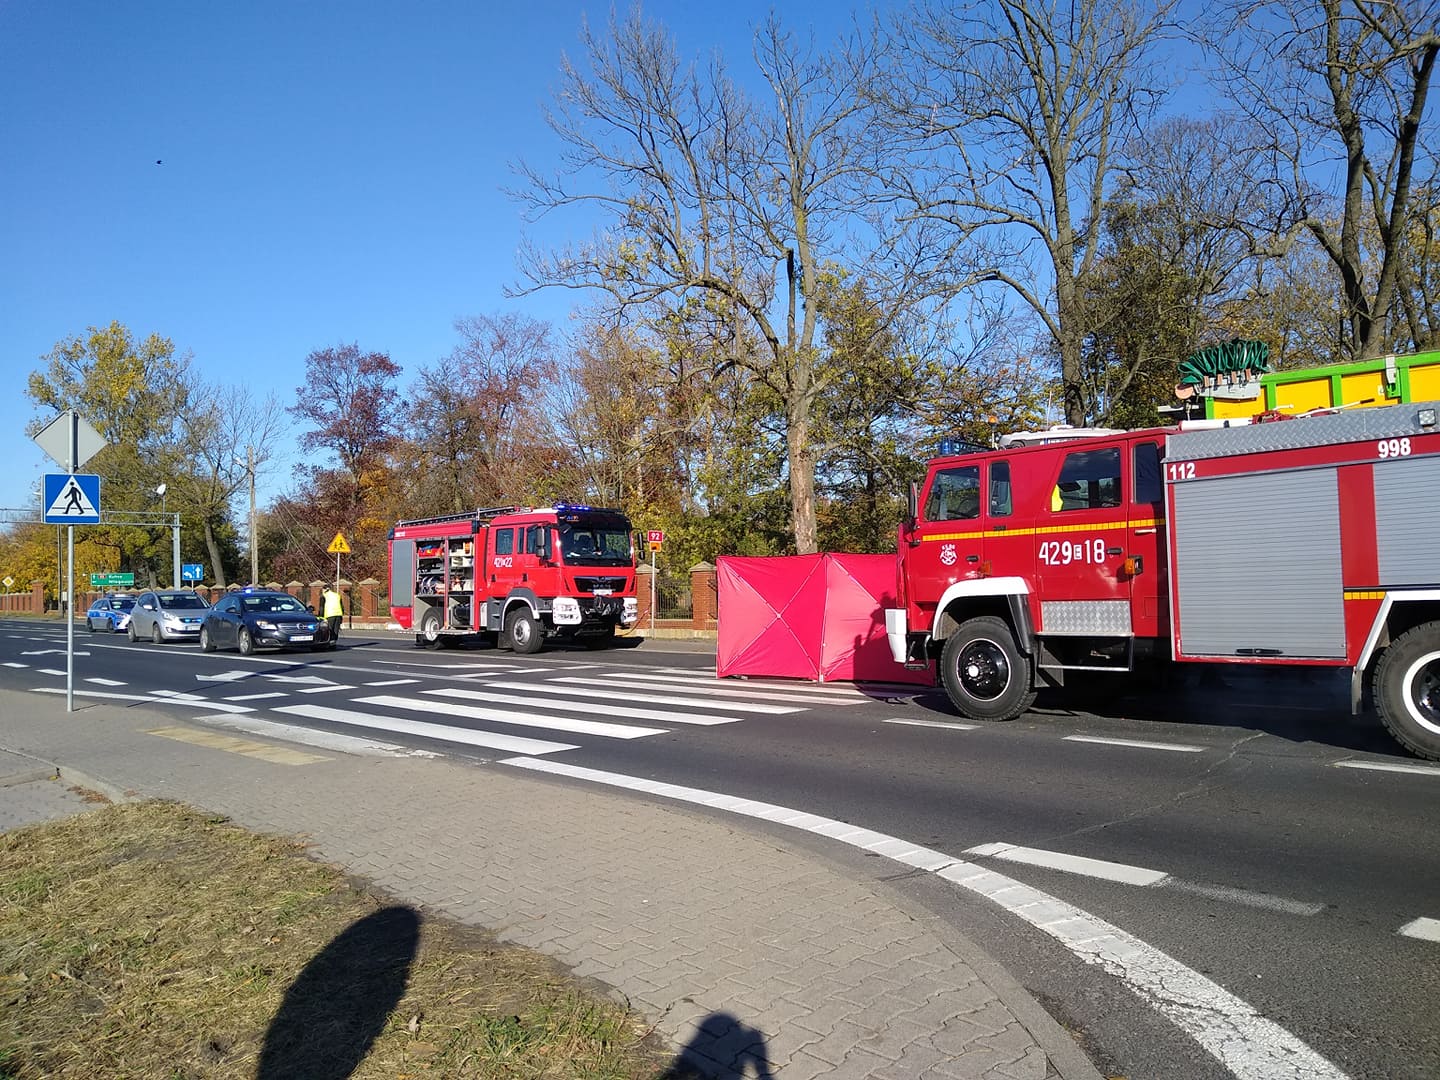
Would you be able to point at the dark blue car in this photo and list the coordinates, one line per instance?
(258, 618)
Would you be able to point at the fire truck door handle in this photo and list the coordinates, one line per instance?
(1145, 532)
(1113, 551)
(972, 558)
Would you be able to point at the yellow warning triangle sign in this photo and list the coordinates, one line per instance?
(338, 546)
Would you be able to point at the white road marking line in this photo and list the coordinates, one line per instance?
(392, 682)
(227, 676)
(1137, 744)
(1070, 864)
(1422, 928)
(49, 671)
(12, 663)
(521, 719)
(441, 732)
(325, 740)
(658, 699)
(932, 723)
(1250, 1046)
(797, 688)
(325, 689)
(715, 688)
(104, 682)
(283, 678)
(1385, 766)
(256, 697)
(41, 652)
(665, 716)
(176, 697)
(1247, 897)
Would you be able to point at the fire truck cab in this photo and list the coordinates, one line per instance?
(1303, 542)
(514, 576)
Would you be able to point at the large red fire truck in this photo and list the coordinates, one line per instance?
(515, 575)
(1306, 541)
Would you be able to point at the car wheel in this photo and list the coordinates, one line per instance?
(246, 642)
(984, 672)
(430, 630)
(206, 645)
(522, 632)
(156, 634)
(133, 636)
(89, 625)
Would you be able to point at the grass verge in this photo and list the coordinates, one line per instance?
(150, 940)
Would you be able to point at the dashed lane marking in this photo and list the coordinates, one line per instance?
(519, 719)
(276, 755)
(325, 689)
(441, 732)
(1422, 928)
(49, 671)
(257, 697)
(1231, 1030)
(949, 725)
(1386, 766)
(1137, 744)
(12, 663)
(392, 682)
(665, 716)
(1070, 864)
(104, 682)
(658, 699)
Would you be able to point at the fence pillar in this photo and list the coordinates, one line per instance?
(37, 597)
(368, 603)
(703, 597)
(644, 575)
(317, 596)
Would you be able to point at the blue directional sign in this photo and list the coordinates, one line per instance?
(192, 571)
(72, 499)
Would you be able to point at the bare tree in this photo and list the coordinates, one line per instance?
(1340, 86)
(1012, 111)
(708, 198)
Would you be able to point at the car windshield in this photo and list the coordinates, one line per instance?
(123, 603)
(182, 602)
(272, 603)
(586, 543)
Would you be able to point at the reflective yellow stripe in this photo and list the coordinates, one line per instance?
(1149, 523)
(1364, 594)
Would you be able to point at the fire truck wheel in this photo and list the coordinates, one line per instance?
(522, 632)
(984, 673)
(430, 630)
(1407, 690)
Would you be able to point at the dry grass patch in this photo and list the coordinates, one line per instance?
(149, 940)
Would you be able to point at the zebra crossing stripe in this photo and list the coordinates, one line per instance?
(831, 695)
(665, 716)
(439, 732)
(507, 716)
(727, 697)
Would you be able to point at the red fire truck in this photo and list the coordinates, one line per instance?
(515, 575)
(1308, 541)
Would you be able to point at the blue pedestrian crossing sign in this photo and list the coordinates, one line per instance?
(72, 499)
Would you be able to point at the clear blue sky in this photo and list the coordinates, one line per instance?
(332, 172)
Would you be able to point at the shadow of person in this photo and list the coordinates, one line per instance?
(722, 1048)
(338, 1004)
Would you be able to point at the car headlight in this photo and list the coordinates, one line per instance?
(264, 624)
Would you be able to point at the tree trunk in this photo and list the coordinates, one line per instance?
(801, 458)
(214, 548)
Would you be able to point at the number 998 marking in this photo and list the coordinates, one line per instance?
(1393, 448)
(1065, 552)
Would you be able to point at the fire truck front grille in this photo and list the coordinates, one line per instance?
(590, 584)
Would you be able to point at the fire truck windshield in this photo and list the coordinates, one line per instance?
(595, 545)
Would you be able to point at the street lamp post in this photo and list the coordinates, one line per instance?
(174, 537)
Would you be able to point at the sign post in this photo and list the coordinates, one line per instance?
(656, 538)
(70, 442)
(339, 546)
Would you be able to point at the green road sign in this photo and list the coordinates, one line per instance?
(106, 581)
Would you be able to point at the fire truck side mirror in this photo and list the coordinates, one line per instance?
(912, 507)
(542, 543)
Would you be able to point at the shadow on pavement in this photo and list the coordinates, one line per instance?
(340, 1001)
(722, 1048)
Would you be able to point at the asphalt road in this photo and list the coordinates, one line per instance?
(1238, 840)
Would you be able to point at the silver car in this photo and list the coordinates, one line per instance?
(167, 615)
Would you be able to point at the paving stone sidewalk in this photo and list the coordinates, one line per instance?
(749, 954)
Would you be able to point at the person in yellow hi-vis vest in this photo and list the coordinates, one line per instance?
(334, 611)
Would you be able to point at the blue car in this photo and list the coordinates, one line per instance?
(110, 613)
